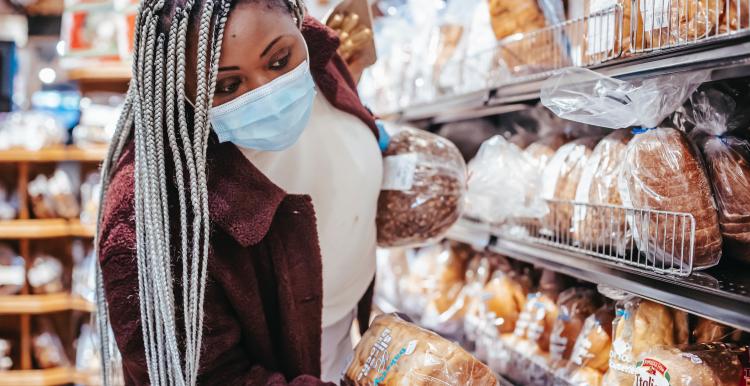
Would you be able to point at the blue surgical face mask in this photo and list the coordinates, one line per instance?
(271, 117)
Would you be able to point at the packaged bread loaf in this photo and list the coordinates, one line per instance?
(639, 324)
(708, 331)
(424, 180)
(392, 266)
(12, 271)
(542, 150)
(602, 226)
(590, 357)
(393, 352)
(446, 293)
(503, 299)
(537, 319)
(727, 160)
(560, 180)
(603, 30)
(574, 306)
(736, 17)
(662, 171)
(696, 365)
(677, 22)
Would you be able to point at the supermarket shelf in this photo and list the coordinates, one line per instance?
(725, 58)
(44, 229)
(42, 304)
(55, 154)
(721, 294)
(54, 376)
(104, 72)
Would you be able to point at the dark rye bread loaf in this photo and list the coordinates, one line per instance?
(662, 171)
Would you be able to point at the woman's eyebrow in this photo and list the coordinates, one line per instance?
(270, 45)
(229, 68)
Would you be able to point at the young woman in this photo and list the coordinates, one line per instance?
(237, 232)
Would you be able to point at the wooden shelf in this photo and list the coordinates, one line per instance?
(54, 376)
(43, 304)
(44, 229)
(55, 154)
(102, 72)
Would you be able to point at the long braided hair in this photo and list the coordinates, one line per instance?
(155, 116)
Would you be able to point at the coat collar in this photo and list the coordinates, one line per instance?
(322, 43)
(243, 201)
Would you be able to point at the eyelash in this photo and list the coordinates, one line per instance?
(277, 65)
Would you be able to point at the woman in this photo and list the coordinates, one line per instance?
(233, 140)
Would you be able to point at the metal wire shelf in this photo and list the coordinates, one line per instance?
(650, 241)
(663, 24)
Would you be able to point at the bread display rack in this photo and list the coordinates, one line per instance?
(640, 51)
(26, 231)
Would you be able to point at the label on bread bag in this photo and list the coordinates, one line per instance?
(398, 171)
(655, 14)
(650, 372)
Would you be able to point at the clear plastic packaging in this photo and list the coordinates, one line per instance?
(392, 267)
(12, 271)
(90, 189)
(663, 171)
(602, 39)
(696, 365)
(393, 352)
(503, 182)
(737, 17)
(509, 17)
(53, 197)
(469, 135)
(45, 275)
(83, 283)
(87, 351)
(536, 322)
(8, 203)
(6, 362)
(595, 226)
(424, 182)
(30, 130)
(446, 305)
(638, 326)
(47, 347)
(574, 307)
(708, 331)
(582, 95)
(672, 22)
(592, 347)
(727, 160)
(542, 150)
(560, 180)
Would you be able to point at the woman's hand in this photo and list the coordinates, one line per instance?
(354, 38)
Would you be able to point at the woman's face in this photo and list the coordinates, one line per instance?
(260, 44)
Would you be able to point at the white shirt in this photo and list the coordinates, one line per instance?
(337, 162)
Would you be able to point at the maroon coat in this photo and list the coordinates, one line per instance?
(263, 300)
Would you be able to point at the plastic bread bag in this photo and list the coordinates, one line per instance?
(424, 183)
(663, 172)
(602, 35)
(542, 150)
(45, 275)
(87, 350)
(589, 359)
(8, 203)
(447, 293)
(12, 271)
(735, 17)
(394, 352)
(727, 159)
(701, 364)
(418, 282)
(574, 305)
(451, 44)
(41, 199)
(61, 192)
(47, 347)
(83, 283)
(639, 324)
(6, 362)
(595, 226)
(584, 96)
(502, 183)
(481, 269)
(560, 180)
(90, 189)
(392, 266)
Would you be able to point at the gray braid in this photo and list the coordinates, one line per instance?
(155, 115)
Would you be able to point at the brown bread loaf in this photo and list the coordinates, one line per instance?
(395, 352)
(662, 171)
(574, 305)
(702, 364)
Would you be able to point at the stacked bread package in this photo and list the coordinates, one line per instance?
(728, 164)
(662, 171)
(394, 352)
(701, 364)
(560, 180)
(605, 227)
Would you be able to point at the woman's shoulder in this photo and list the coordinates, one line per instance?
(117, 227)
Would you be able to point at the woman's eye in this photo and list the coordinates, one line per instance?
(279, 64)
(227, 87)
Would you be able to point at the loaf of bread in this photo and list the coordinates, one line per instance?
(639, 325)
(701, 364)
(560, 180)
(679, 22)
(663, 172)
(585, 376)
(424, 181)
(595, 227)
(594, 343)
(509, 17)
(393, 352)
(736, 18)
(504, 296)
(728, 164)
(708, 331)
(574, 306)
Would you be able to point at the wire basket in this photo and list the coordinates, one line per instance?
(652, 241)
(663, 24)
